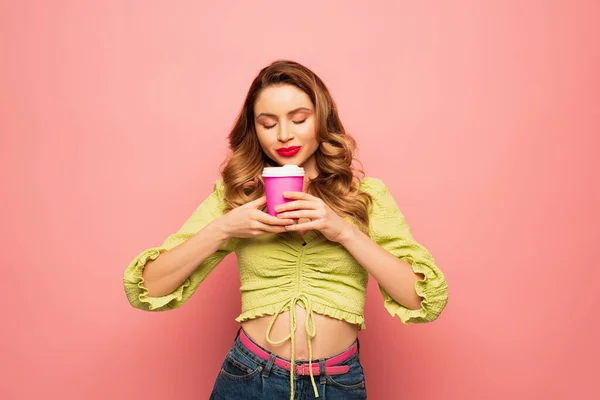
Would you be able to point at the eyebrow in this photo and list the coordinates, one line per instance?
(294, 111)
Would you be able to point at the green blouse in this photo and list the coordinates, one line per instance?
(278, 271)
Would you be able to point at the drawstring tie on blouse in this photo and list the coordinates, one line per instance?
(310, 334)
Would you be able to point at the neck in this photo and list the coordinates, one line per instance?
(310, 169)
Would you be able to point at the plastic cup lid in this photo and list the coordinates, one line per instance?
(286, 170)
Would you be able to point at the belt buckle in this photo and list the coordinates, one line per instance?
(302, 373)
(304, 370)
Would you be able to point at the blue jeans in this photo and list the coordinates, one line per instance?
(245, 376)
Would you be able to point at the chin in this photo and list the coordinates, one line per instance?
(280, 160)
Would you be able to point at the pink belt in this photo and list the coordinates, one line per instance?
(331, 367)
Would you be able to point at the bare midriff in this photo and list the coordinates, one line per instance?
(333, 335)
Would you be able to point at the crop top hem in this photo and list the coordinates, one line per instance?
(322, 309)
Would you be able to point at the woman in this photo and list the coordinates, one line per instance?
(307, 266)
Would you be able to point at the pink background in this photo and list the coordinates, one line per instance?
(482, 119)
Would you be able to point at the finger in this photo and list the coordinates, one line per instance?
(268, 219)
(271, 229)
(296, 205)
(298, 195)
(261, 201)
(299, 214)
(303, 227)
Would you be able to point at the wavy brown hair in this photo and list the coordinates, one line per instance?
(336, 183)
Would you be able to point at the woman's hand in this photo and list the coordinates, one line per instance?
(321, 217)
(249, 221)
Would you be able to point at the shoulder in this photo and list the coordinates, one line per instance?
(371, 185)
(219, 186)
(217, 194)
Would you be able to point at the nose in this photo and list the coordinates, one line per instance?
(284, 134)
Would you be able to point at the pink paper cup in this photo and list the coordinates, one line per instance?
(288, 178)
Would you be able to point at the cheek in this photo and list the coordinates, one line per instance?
(263, 137)
(307, 131)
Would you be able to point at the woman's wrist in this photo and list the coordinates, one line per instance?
(348, 234)
(219, 228)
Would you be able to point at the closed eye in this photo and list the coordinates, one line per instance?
(269, 126)
(300, 122)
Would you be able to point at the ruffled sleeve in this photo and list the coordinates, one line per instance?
(389, 229)
(133, 281)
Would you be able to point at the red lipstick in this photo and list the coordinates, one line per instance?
(288, 151)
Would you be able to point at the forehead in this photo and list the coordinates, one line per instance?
(279, 99)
